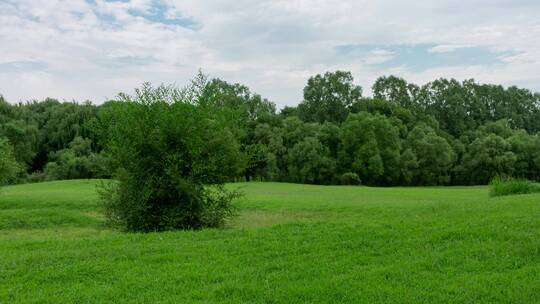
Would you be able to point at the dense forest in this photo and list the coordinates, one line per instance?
(445, 132)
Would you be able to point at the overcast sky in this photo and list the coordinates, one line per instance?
(94, 49)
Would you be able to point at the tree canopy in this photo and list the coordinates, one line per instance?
(328, 97)
(443, 132)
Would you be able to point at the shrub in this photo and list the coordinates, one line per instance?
(166, 153)
(500, 186)
(36, 177)
(350, 178)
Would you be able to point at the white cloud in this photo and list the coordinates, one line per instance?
(95, 49)
(445, 48)
(378, 56)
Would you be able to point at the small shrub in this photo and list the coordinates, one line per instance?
(36, 177)
(218, 206)
(350, 178)
(500, 186)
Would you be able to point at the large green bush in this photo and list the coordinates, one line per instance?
(171, 158)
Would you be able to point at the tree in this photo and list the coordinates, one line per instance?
(328, 97)
(396, 90)
(249, 107)
(9, 168)
(527, 150)
(58, 140)
(261, 163)
(409, 166)
(309, 163)
(432, 157)
(66, 121)
(329, 136)
(24, 139)
(294, 130)
(370, 147)
(167, 153)
(488, 156)
(76, 162)
(288, 111)
(449, 101)
(400, 117)
(271, 138)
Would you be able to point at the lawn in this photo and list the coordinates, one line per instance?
(289, 244)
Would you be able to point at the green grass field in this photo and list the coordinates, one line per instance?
(290, 244)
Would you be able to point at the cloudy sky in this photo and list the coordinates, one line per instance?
(93, 49)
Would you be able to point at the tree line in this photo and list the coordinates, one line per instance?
(445, 132)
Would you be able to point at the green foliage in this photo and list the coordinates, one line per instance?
(309, 162)
(432, 157)
(37, 130)
(327, 97)
(270, 164)
(500, 186)
(490, 153)
(66, 121)
(288, 111)
(24, 139)
(443, 132)
(370, 146)
(166, 151)
(76, 162)
(329, 135)
(350, 178)
(261, 163)
(486, 157)
(450, 103)
(408, 167)
(397, 90)
(526, 147)
(9, 168)
(465, 106)
(384, 107)
(245, 106)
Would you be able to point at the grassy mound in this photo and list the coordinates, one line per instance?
(501, 186)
